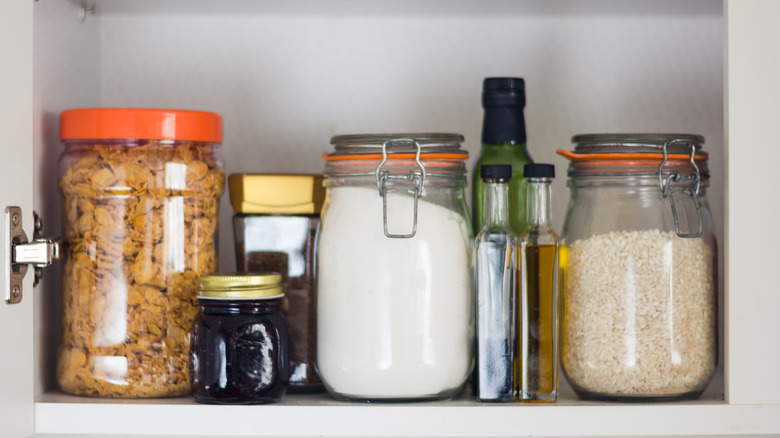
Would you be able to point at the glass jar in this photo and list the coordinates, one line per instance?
(395, 311)
(141, 192)
(640, 260)
(275, 225)
(240, 352)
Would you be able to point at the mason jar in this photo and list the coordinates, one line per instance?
(141, 192)
(639, 265)
(395, 311)
(240, 344)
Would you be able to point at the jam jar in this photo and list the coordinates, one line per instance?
(240, 352)
(639, 267)
(395, 314)
(141, 191)
(276, 220)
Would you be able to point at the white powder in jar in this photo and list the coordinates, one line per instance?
(395, 316)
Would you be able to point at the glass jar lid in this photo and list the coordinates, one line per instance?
(636, 154)
(675, 162)
(241, 286)
(402, 143)
(406, 163)
(363, 154)
(638, 143)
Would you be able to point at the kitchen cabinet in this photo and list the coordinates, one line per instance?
(289, 74)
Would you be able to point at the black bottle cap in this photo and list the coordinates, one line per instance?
(539, 170)
(503, 92)
(496, 171)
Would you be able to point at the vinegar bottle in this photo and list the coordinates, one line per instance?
(495, 261)
(537, 334)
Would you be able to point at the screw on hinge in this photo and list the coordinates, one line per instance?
(84, 10)
(16, 291)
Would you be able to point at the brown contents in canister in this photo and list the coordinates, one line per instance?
(140, 225)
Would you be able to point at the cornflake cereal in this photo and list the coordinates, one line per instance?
(639, 314)
(139, 223)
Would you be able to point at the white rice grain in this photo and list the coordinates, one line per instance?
(639, 314)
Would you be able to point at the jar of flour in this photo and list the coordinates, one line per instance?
(395, 307)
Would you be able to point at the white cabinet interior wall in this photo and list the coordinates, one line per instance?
(287, 75)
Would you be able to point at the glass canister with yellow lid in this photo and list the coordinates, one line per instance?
(275, 224)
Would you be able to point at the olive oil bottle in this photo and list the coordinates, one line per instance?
(537, 305)
(503, 142)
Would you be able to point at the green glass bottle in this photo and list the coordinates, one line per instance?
(503, 142)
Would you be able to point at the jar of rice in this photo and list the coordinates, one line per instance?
(639, 268)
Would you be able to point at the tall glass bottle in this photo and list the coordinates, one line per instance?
(537, 340)
(503, 142)
(495, 261)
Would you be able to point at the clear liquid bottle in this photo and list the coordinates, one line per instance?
(537, 340)
(495, 261)
(503, 142)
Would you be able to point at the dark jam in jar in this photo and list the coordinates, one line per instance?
(240, 352)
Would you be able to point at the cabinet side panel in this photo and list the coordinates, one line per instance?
(752, 234)
(16, 321)
(66, 76)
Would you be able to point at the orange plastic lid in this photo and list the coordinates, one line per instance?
(140, 123)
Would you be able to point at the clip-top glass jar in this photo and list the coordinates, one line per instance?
(395, 313)
(640, 259)
(140, 193)
(240, 352)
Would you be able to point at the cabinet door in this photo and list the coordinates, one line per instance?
(752, 202)
(16, 188)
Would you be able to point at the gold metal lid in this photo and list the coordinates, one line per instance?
(276, 193)
(241, 286)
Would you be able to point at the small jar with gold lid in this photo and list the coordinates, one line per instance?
(240, 352)
(277, 217)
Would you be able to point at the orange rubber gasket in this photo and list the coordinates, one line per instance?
(654, 163)
(428, 156)
(616, 159)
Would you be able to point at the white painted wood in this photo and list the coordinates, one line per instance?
(288, 74)
(318, 415)
(16, 181)
(753, 235)
(66, 76)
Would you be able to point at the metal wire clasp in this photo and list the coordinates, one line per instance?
(692, 193)
(416, 180)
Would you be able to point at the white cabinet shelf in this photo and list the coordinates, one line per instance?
(319, 415)
(287, 75)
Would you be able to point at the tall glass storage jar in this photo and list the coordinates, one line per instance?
(639, 265)
(140, 191)
(275, 224)
(395, 311)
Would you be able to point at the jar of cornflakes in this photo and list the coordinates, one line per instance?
(141, 191)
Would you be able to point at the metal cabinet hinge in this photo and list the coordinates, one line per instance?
(19, 253)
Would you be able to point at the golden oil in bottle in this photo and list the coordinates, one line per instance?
(538, 310)
(537, 300)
